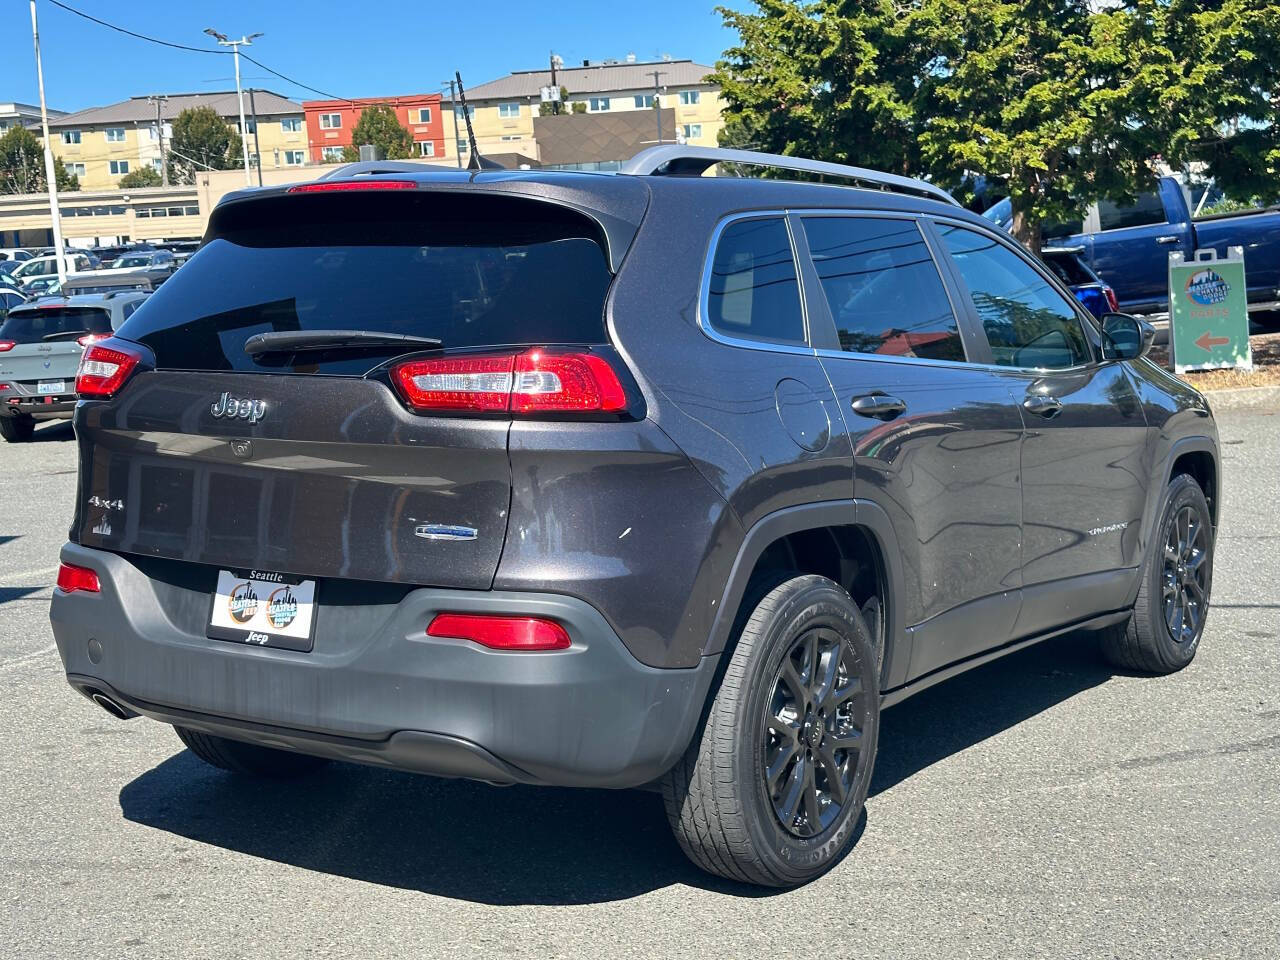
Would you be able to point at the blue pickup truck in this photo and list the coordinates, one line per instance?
(1129, 246)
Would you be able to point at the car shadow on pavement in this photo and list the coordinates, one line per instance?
(530, 845)
(53, 430)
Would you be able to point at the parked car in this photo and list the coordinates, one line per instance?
(106, 281)
(8, 300)
(14, 253)
(42, 286)
(8, 266)
(41, 344)
(1128, 246)
(145, 260)
(94, 262)
(508, 509)
(107, 255)
(48, 267)
(1068, 266)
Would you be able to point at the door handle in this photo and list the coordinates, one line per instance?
(1166, 240)
(881, 406)
(1042, 406)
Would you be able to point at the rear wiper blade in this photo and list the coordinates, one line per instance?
(298, 341)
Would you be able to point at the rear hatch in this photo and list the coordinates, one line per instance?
(313, 463)
(42, 344)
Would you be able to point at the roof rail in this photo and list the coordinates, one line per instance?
(678, 160)
(368, 168)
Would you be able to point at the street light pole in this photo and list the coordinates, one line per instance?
(158, 99)
(235, 46)
(50, 177)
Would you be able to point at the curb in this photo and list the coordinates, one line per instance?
(1244, 398)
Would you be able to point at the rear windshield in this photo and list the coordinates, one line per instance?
(1068, 268)
(469, 270)
(54, 323)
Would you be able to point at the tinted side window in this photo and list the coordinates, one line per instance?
(1027, 322)
(753, 292)
(883, 288)
(1148, 209)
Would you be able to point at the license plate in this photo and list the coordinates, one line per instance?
(51, 386)
(263, 609)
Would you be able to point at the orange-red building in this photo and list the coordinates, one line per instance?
(331, 122)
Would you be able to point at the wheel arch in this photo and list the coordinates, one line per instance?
(848, 541)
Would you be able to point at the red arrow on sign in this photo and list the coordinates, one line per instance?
(1206, 342)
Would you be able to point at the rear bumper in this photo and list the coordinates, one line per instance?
(20, 400)
(377, 690)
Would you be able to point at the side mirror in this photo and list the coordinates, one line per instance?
(1125, 337)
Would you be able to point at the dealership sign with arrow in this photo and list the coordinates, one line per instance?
(1209, 311)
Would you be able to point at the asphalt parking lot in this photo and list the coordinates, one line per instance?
(1042, 806)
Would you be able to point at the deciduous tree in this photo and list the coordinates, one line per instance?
(201, 140)
(378, 126)
(22, 165)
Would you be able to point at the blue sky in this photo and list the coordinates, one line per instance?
(349, 49)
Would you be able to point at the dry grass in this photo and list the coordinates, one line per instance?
(1265, 372)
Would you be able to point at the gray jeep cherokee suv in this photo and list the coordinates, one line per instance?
(617, 481)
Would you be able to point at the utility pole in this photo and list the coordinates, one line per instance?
(657, 100)
(235, 46)
(555, 104)
(453, 107)
(60, 256)
(257, 151)
(158, 99)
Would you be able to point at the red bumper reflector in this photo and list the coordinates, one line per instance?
(72, 578)
(501, 633)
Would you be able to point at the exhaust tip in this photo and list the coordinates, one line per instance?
(106, 703)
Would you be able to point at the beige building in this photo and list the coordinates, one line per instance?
(102, 144)
(502, 110)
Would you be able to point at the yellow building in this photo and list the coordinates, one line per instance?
(502, 110)
(102, 144)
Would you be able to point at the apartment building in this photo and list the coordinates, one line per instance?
(330, 123)
(23, 115)
(102, 144)
(502, 110)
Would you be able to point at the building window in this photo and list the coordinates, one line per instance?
(426, 148)
(598, 104)
(424, 114)
(119, 166)
(70, 136)
(690, 97)
(75, 169)
(157, 164)
(291, 125)
(330, 154)
(644, 100)
(330, 121)
(471, 111)
(115, 134)
(512, 136)
(692, 131)
(463, 145)
(250, 123)
(296, 158)
(508, 110)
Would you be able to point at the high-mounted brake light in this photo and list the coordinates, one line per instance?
(104, 369)
(7, 345)
(72, 578)
(342, 186)
(536, 381)
(501, 633)
(89, 338)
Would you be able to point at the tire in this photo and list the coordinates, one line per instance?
(17, 429)
(1146, 641)
(248, 759)
(724, 816)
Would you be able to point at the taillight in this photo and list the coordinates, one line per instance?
(536, 381)
(501, 633)
(104, 369)
(1112, 302)
(344, 186)
(7, 345)
(72, 578)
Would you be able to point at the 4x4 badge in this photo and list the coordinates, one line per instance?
(241, 408)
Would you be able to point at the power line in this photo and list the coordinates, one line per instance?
(183, 46)
(140, 36)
